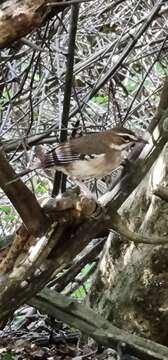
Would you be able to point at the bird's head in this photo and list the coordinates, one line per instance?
(123, 139)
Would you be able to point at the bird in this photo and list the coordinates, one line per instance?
(93, 155)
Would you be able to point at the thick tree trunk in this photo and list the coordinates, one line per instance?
(20, 17)
(131, 285)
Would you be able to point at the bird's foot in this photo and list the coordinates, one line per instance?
(85, 190)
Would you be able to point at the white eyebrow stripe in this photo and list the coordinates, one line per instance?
(131, 136)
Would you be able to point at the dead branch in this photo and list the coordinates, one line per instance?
(60, 179)
(161, 192)
(19, 18)
(22, 199)
(133, 40)
(31, 260)
(122, 229)
(92, 324)
(89, 256)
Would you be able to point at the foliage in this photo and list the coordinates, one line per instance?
(7, 356)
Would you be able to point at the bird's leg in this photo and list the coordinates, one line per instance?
(84, 189)
(94, 189)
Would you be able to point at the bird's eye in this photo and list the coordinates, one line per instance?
(126, 138)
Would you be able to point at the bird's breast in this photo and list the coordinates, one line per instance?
(101, 165)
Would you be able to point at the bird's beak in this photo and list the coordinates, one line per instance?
(143, 141)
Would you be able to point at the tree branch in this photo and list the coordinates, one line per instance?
(120, 227)
(22, 199)
(92, 324)
(19, 18)
(161, 192)
(60, 179)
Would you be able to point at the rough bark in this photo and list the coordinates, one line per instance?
(22, 199)
(20, 17)
(31, 260)
(132, 281)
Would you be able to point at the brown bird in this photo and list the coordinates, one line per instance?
(92, 155)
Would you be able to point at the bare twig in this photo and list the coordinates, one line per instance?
(60, 179)
(123, 56)
(66, 3)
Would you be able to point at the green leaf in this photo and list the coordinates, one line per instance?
(10, 218)
(130, 84)
(7, 94)
(40, 188)
(160, 69)
(79, 293)
(85, 269)
(7, 356)
(5, 209)
(100, 99)
(36, 77)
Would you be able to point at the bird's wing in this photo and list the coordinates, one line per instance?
(61, 155)
(83, 148)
